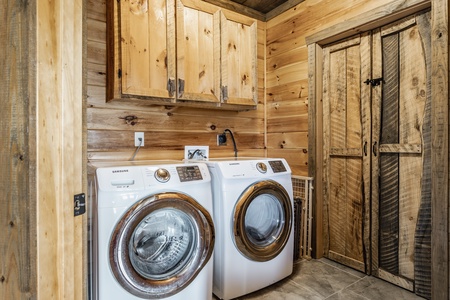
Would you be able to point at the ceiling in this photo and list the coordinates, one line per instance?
(259, 9)
(263, 6)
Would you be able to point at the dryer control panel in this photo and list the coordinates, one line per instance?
(189, 173)
(277, 166)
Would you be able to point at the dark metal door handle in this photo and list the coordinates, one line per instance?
(374, 148)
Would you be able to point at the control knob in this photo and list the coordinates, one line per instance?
(162, 175)
(261, 167)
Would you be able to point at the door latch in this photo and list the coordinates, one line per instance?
(374, 82)
(79, 204)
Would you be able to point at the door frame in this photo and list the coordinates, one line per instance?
(440, 134)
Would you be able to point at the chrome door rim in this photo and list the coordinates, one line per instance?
(242, 241)
(119, 259)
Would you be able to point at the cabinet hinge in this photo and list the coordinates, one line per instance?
(374, 82)
(180, 87)
(224, 93)
(171, 87)
(119, 73)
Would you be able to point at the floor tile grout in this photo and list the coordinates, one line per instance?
(353, 283)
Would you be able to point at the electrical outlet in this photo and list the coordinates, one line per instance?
(196, 152)
(137, 137)
(221, 139)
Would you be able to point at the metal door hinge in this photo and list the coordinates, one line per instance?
(224, 93)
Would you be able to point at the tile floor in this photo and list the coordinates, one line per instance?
(325, 279)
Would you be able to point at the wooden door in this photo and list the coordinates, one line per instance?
(401, 157)
(377, 153)
(146, 59)
(346, 105)
(198, 51)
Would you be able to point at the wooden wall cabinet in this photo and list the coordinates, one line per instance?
(181, 52)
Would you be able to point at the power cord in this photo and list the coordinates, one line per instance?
(137, 149)
(234, 142)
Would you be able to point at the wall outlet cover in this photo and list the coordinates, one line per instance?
(138, 139)
(196, 152)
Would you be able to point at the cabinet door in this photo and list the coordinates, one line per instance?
(198, 51)
(346, 163)
(144, 48)
(401, 155)
(239, 59)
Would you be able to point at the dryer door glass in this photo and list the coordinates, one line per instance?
(162, 244)
(262, 220)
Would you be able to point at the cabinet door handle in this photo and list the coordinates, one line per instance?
(374, 149)
(180, 87)
(171, 87)
(365, 148)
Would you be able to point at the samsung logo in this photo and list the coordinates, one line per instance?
(120, 171)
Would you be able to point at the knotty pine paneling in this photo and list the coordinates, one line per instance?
(288, 140)
(167, 129)
(287, 68)
(298, 159)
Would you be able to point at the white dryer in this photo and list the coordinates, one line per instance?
(153, 232)
(253, 214)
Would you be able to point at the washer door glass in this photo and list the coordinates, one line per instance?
(160, 245)
(262, 220)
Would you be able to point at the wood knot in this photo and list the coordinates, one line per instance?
(213, 127)
(244, 79)
(130, 120)
(11, 224)
(138, 7)
(2, 279)
(231, 46)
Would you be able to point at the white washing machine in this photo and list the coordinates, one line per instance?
(253, 214)
(153, 232)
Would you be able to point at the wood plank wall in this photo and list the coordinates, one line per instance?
(42, 247)
(18, 274)
(287, 71)
(167, 130)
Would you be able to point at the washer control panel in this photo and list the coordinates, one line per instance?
(189, 173)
